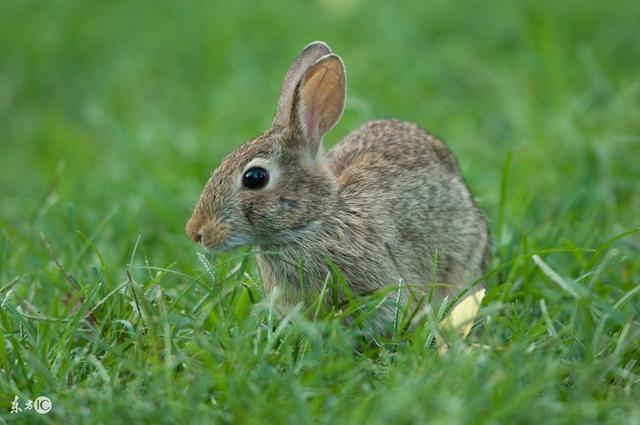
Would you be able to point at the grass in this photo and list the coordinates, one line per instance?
(113, 114)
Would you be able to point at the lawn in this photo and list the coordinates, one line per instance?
(113, 115)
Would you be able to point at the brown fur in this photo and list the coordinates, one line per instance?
(382, 204)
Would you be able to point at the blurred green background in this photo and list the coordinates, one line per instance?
(113, 114)
(141, 100)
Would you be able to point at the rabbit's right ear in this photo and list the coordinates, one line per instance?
(305, 59)
(319, 100)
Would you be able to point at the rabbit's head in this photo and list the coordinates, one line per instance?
(277, 187)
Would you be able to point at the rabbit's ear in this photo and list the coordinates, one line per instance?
(305, 59)
(320, 99)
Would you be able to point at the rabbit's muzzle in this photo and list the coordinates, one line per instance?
(214, 235)
(194, 228)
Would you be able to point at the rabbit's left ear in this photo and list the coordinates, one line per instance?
(320, 98)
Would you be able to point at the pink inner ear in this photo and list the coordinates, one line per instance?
(307, 124)
(322, 98)
(311, 104)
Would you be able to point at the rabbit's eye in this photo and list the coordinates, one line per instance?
(255, 178)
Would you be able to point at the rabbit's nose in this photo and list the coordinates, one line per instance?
(194, 230)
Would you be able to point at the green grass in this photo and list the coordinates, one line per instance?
(113, 114)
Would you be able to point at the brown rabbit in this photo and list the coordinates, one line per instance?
(387, 203)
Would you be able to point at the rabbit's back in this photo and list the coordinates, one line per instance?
(405, 184)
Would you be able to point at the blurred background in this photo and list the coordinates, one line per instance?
(113, 114)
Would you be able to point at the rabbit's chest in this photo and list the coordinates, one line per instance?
(300, 275)
(296, 277)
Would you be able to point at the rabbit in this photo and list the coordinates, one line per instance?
(387, 204)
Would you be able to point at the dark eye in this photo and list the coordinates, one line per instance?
(255, 178)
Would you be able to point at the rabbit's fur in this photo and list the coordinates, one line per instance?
(388, 203)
